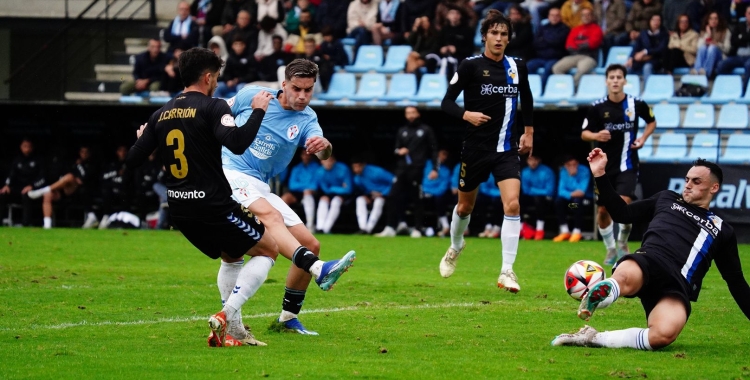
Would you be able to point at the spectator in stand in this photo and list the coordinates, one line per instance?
(522, 37)
(335, 182)
(611, 15)
(455, 41)
(207, 14)
(219, 47)
(325, 67)
(295, 43)
(148, 71)
(463, 6)
(373, 183)
(332, 13)
(80, 179)
(271, 8)
(713, 43)
(26, 172)
(490, 207)
(583, 45)
(671, 11)
(696, 11)
(549, 45)
(232, 8)
(437, 192)
(650, 49)
(360, 18)
(269, 28)
(683, 45)
(115, 188)
(303, 185)
(739, 54)
(182, 32)
(572, 10)
(423, 41)
(332, 49)
(639, 18)
(537, 192)
(414, 9)
(144, 178)
(536, 8)
(270, 64)
(389, 23)
(292, 17)
(172, 79)
(571, 192)
(240, 70)
(245, 30)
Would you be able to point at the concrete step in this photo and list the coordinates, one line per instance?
(92, 85)
(92, 96)
(122, 58)
(113, 73)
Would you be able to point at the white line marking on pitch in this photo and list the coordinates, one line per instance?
(253, 316)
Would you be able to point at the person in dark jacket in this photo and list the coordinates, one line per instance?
(148, 71)
(455, 41)
(650, 49)
(241, 68)
(423, 41)
(549, 45)
(333, 13)
(522, 36)
(739, 54)
(332, 49)
(390, 23)
(269, 65)
(207, 14)
(172, 79)
(245, 29)
(232, 8)
(26, 172)
(182, 32)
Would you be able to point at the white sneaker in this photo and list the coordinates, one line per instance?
(429, 232)
(415, 233)
(584, 337)
(508, 281)
(243, 334)
(388, 231)
(104, 223)
(91, 221)
(448, 263)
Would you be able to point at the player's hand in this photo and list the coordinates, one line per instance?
(316, 144)
(5, 190)
(597, 161)
(24, 190)
(261, 100)
(638, 143)
(433, 174)
(577, 194)
(476, 118)
(403, 151)
(603, 136)
(140, 130)
(526, 144)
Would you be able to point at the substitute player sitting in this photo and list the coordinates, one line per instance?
(492, 83)
(666, 273)
(288, 124)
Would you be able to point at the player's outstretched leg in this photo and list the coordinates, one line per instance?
(326, 273)
(596, 295)
(584, 337)
(293, 325)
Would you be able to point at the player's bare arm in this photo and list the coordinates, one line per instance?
(319, 146)
(601, 136)
(476, 118)
(526, 142)
(638, 143)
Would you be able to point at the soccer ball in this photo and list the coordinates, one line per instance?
(581, 276)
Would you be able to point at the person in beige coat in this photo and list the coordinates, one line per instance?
(611, 15)
(713, 44)
(683, 45)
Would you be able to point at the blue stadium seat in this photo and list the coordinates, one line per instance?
(705, 145)
(159, 99)
(342, 86)
(733, 116)
(402, 87)
(681, 71)
(369, 57)
(617, 54)
(667, 115)
(700, 80)
(371, 87)
(633, 85)
(647, 150)
(672, 147)
(745, 99)
(658, 88)
(348, 41)
(559, 87)
(395, 59)
(431, 87)
(737, 150)
(726, 88)
(699, 116)
(591, 87)
(739, 71)
(130, 99)
(349, 50)
(535, 83)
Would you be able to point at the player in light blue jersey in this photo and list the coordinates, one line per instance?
(373, 183)
(288, 124)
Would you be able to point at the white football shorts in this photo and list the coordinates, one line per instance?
(248, 189)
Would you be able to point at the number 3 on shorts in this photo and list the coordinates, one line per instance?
(175, 137)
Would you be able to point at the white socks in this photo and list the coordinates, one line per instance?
(444, 223)
(320, 219)
(47, 222)
(250, 278)
(362, 212)
(624, 233)
(458, 226)
(227, 278)
(316, 268)
(328, 213)
(375, 213)
(631, 338)
(308, 203)
(576, 231)
(608, 236)
(564, 229)
(540, 225)
(509, 237)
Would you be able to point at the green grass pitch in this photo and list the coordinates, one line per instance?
(134, 304)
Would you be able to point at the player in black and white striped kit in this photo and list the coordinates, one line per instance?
(666, 273)
(492, 83)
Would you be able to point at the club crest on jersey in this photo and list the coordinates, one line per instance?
(630, 113)
(461, 182)
(512, 73)
(715, 220)
(606, 114)
(485, 73)
(292, 132)
(230, 101)
(227, 120)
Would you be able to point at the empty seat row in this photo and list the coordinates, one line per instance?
(374, 90)
(370, 58)
(673, 147)
(732, 116)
